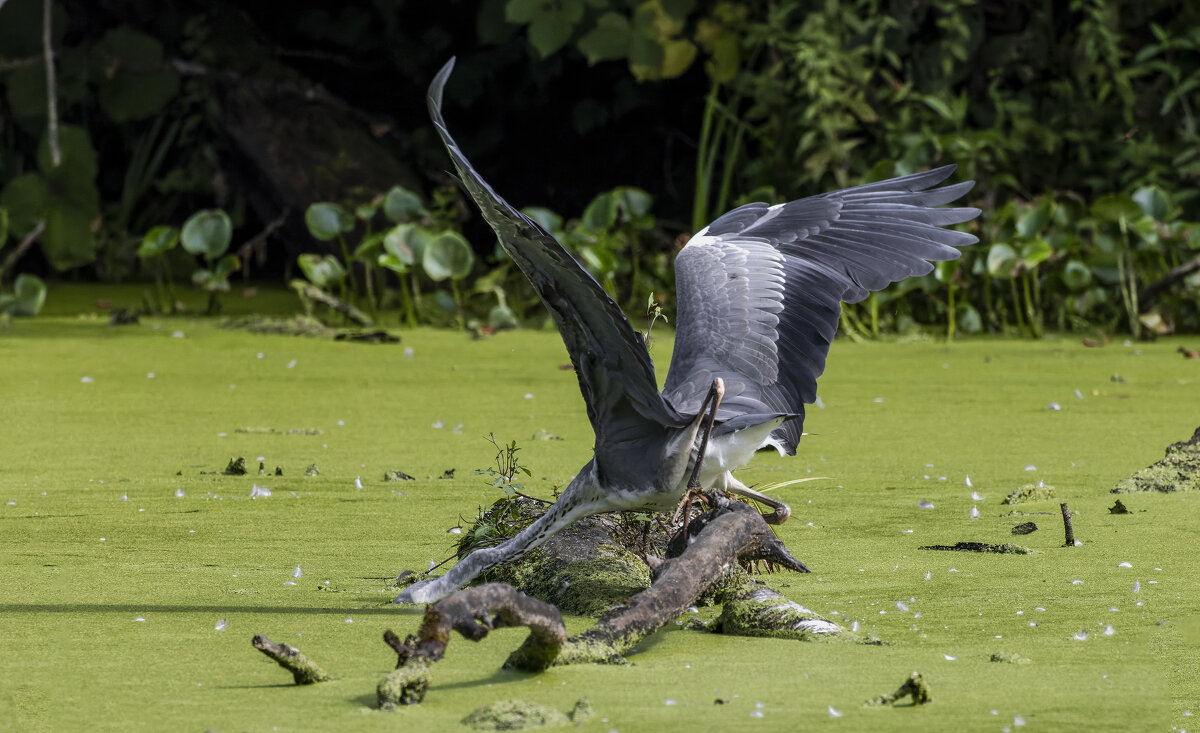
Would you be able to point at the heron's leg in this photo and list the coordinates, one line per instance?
(714, 396)
(782, 510)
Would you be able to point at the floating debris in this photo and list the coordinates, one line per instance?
(1005, 549)
(1030, 492)
(438, 425)
(521, 714)
(277, 431)
(544, 434)
(258, 491)
(312, 470)
(1118, 508)
(448, 473)
(297, 572)
(1124, 565)
(1025, 528)
(397, 476)
(1054, 407)
(834, 712)
(915, 687)
(236, 467)
(976, 496)
(923, 504)
(358, 484)
(974, 512)
(221, 624)
(1009, 658)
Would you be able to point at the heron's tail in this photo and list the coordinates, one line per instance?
(576, 502)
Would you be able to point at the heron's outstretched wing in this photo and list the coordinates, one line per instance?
(615, 373)
(759, 290)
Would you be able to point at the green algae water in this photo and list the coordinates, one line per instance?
(136, 573)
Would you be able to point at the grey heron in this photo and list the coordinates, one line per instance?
(759, 295)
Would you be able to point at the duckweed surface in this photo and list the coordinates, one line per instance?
(136, 574)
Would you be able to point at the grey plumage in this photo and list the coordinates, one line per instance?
(758, 292)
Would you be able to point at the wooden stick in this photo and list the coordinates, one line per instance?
(1070, 531)
(304, 671)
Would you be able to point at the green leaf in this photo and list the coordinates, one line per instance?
(400, 204)
(601, 213)
(1117, 208)
(407, 242)
(1035, 253)
(634, 203)
(545, 218)
(393, 263)
(523, 11)
(501, 316)
(326, 220)
(78, 158)
(448, 256)
(26, 87)
(68, 241)
(29, 295)
(1001, 260)
(368, 248)
(3, 225)
(226, 267)
(26, 198)
(608, 39)
(1032, 222)
(1076, 275)
(366, 212)
(136, 84)
(969, 319)
(1153, 202)
(322, 270)
(207, 232)
(158, 241)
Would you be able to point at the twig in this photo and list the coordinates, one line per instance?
(1150, 293)
(1070, 531)
(51, 88)
(304, 671)
(25, 244)
(252, 245)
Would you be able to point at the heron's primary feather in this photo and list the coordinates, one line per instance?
(615, 373)
(759, 290)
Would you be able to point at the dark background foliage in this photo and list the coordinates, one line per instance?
(1076, 118)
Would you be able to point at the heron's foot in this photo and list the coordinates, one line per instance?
(781, 510)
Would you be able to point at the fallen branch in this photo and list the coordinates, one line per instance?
(304, 671)
(914, 687)
(472, 613)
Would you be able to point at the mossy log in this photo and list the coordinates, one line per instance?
(304, 670)
(750, 608)
(1179, 470)
(731, 533)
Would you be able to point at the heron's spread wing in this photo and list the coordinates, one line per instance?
(759, 290)
(615, 373)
